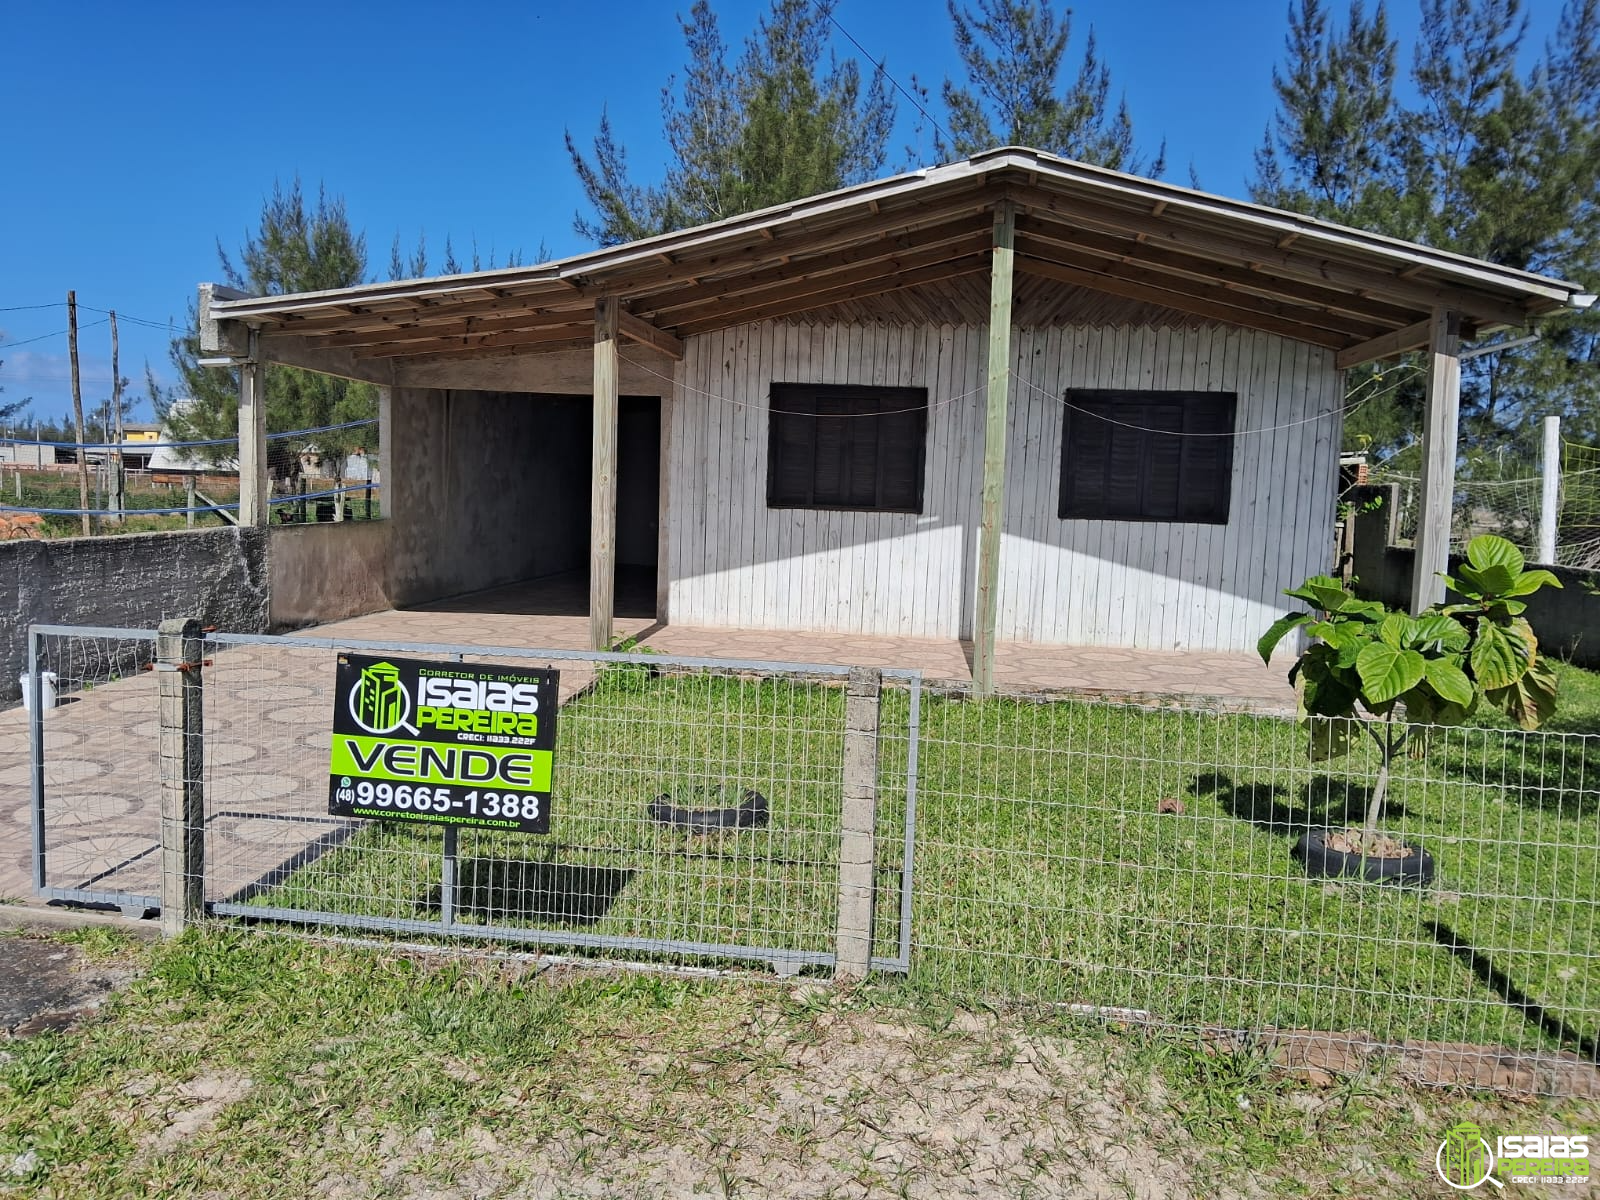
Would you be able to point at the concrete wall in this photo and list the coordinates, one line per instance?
(136, 580)
(1566, 621)
(326, 572)
(484, 488)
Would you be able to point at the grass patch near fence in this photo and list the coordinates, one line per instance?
(250, 1067)
(1046, 868)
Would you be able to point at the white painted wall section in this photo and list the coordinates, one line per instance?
(731, 561)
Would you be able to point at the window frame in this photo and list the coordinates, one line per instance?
(785, 399)
(1077, 400)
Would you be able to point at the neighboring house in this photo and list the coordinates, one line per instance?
(168, 461)
(806, 392)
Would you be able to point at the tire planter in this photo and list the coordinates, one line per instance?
(1323, 862)
(750, 812)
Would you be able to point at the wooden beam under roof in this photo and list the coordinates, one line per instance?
(487, 341)
(883, 284)
(1225, 313)
(1319, 268)
(1122, 248)
(734, 305)
(1392, 345)
(637, 329)
(1221, 297)
(362, 322)
(405, 366)
(461, 327)
(881, 247)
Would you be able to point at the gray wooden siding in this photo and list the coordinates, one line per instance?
(731, 561)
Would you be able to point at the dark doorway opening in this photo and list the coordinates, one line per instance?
(541, 528)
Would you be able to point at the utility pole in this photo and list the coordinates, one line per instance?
(77, 410)
(119, 479)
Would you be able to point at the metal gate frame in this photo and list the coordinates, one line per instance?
(131, 904)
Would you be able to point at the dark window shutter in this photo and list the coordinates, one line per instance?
(1147, 456)
(858, 448)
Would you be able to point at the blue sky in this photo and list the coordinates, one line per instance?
(135, 135)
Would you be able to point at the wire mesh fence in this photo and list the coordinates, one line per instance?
(1507, 508)
(1155, 864)
(93, 807)
(694, 811)
(1578, 529)
(326, 473)
(1141, 862)
(1510, 505)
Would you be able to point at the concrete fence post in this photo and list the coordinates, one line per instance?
(853, 940)
(1549, 489)
(178, 661)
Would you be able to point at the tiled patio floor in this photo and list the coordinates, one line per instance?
(553, 613)
(267, 749)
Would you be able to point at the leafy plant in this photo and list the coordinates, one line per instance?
(1368, 661)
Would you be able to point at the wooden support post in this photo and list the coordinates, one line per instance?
(603, 493)
(1550, 490)
(858, 820)
(77, 411)
(179, 651)
(375, 463)
(1440, 422)
(188, 498)
(994, 447)
(255, 485)
(119, 481)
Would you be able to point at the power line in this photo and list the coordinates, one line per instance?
(58, 333)
(879, 66)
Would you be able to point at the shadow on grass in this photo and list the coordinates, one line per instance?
(1325, 801)
(1502, 985)
(492, 890)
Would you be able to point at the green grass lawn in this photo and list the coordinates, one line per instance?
(254, 1067)
(1044, 867)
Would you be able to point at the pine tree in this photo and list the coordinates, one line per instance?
(296, 248)
(775, 126)
(1490, 162)
(16, 409)
(1014, 52)
(1332, 149)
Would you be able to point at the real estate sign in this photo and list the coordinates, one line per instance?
(443, 743)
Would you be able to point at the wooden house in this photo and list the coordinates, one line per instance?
(1014, 398)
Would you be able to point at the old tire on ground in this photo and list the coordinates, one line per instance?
(751, 811)
(1323, 862)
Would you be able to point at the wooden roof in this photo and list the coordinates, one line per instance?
(1091, 245)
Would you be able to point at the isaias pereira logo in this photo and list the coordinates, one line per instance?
(1464, 1160)
(379, 702)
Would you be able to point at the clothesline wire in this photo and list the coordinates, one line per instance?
(1342, 411)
